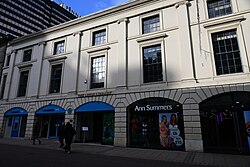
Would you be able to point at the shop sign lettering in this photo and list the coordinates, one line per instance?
(153, 108)
(95, 94)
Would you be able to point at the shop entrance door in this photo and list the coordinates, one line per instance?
(50, 124)
(220, 134)
(108, 128)
(55, 122)
(223, 123)
(100, 127)
(15, 126)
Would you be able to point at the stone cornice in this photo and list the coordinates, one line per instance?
(151, 37)
(223, 21)
(42, 43)
(57, 58)
(122, 8)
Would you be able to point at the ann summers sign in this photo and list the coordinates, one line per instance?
(153, 108)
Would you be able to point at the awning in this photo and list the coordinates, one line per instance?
(94, 107)
(16, 111)
(50, 109)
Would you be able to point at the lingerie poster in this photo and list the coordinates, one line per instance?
(169, 131)
(247, 122)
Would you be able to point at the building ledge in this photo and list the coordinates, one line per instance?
(225, 20)
(25, 64)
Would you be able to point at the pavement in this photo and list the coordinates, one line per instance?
(194, 158)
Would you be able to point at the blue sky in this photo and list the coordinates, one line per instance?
(85, 7)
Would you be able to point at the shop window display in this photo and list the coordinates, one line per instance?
(156, 123)
(225, 123)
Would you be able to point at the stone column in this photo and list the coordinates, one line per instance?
(10, 74)
(41, 46)
(191, 117)
(120, 138)
(2, 121)
(122, 56)
(29, 124)
(185, 44)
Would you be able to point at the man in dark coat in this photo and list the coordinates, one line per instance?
(60, 134)
(36, 132)
(69, 133)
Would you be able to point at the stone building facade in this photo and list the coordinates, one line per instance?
(160, 74)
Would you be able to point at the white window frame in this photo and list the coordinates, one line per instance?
(30, 55)
(103, 53)
(21, 69)
(52, 63)
(54, 46)
(96, 30)
(145, 16)
(243, 54)
(2, 91)
(149, 43)
(233, 7)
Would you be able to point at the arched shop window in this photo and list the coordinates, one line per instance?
(156, 123)
(225, 123)
(95, 123)
(16, 119)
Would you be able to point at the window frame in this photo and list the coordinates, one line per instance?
(225, 53)
(91, 72)
(26, 50)
(242, 46)
(207, 10)
(19, 82)
(148, 15)
(98, 53)
(143, 65)
(3, 85)
(150, 29)
(55, 43)
(93, 39)
(50, 76)
(149, 43)
(7, 61)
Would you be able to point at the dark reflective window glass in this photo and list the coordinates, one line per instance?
(59, 47)
(218, 8)
(27, 55)
(99, 37)
(98, 72)
(151, 24)
(55, 79)
(23, 83)
(152, 64)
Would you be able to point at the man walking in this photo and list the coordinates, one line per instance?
(36, 132)
(60, 134)
(69, 133)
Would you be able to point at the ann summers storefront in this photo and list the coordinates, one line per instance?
(156, 123)
(225, 123)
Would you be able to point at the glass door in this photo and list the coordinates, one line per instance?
(108, 128)
(16, 126)
(224, 122)
(54, 123)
